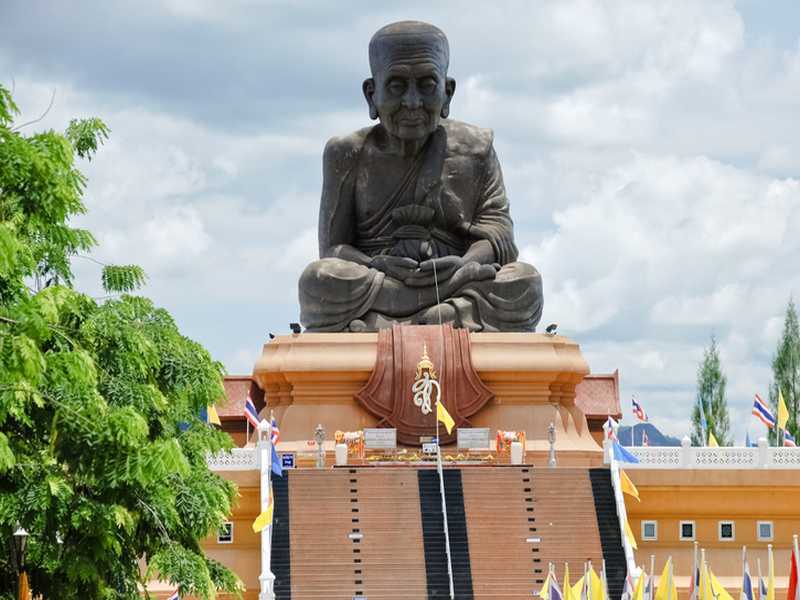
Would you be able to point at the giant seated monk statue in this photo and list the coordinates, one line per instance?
(414, 224)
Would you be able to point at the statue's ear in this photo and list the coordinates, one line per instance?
(449, 90)
(368, 88)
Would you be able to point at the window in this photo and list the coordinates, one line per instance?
(225, 533)
(649, 530)
(687, 530)
(727, 532)
(764, 531)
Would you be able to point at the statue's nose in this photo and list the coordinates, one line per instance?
(412, 99)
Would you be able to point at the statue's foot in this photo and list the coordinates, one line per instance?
(358, 326)
(432, 316)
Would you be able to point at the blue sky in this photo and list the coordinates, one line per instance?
(650, 152)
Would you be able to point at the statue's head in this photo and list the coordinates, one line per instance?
(409, 89)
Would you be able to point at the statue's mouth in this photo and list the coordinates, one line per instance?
(414, 119)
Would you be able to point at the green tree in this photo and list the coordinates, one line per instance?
(711, 383)
(102, 451)
(786, 371)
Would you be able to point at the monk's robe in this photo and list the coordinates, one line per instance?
(450, 197)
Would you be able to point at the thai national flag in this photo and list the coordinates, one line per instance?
(250, 412)
(645, 439)
(276, 433)
(788, 440)
(762, 412)
(747, 583)
(638, 411)
(174, 597)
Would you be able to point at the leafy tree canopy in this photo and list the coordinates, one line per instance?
(711, 400)
(786, 371)
(102, 451)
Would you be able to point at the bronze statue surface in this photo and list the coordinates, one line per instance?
(415, 201)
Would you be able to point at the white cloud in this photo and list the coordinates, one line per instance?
(650, 151)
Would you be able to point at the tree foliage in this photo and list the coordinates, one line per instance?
(786, 371)
(102, 451)
(711, 383)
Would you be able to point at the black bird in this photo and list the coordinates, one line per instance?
(271, 335)
(295, 327)
(551, 329)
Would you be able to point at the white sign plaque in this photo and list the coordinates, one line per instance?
(473, 438)
(380, 438)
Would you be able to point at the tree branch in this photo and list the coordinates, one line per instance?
(43, 115)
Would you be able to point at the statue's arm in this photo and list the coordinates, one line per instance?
(337, 206)
(491, 227)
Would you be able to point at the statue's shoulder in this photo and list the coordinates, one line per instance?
(341, 151)
(467, 140)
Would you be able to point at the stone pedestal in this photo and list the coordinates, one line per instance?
(313, 378)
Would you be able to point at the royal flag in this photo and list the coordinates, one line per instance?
(213, 416)
(788, 440)
(712, 441)
(627, 485)
(250, 412)
(629, 535)
(762, 412)
(783, 412)
(444, 416)
(264, 519)
(638, 411)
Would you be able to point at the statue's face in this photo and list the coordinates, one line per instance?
(410, 89)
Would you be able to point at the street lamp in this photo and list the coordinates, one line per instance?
(20, 544)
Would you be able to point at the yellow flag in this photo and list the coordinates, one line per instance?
(265, 518)
(444, 416)
(629, 535)
(577, 589)
(702, 592)
(712, 441)
(783, 412)
(717, 590)
(566, 589)
(627, 485)
(544, 593)
(639, 593)
(666, 583)
(213, 417)
(598, 592)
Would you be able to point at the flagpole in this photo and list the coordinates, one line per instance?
(444, 505)
(652, 574)
(695, 583)
(760, 579)
(744, 571)
(267, 578)
(671, 579)
(438, 447)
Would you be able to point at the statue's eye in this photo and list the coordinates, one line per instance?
(396, 86)
(428, 85)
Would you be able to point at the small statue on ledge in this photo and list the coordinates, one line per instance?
(415, 201)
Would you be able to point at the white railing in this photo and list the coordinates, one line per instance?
(687, 456)
(238, 459)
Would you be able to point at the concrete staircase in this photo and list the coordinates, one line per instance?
(360, 534)
(520, 519)
(377, 532)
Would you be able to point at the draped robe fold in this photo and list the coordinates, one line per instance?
(458, 175)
